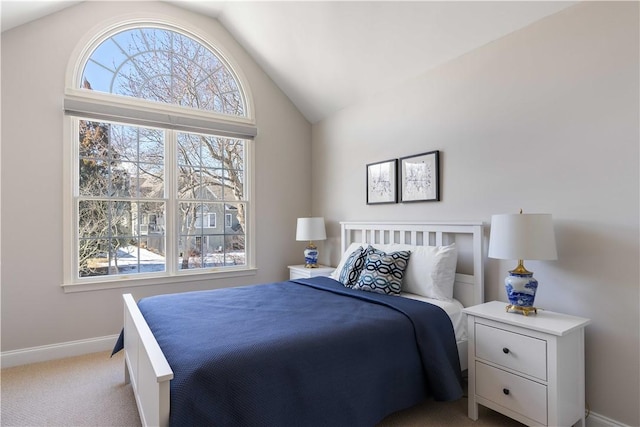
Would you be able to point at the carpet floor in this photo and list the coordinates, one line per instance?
(89, 391)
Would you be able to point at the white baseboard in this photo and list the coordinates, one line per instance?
(597, 420)
(56, 351)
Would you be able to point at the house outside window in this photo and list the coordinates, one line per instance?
(162, 135)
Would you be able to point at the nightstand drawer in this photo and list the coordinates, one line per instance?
(510, 391)
(519, 352)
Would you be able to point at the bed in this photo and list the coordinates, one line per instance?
(313, 351)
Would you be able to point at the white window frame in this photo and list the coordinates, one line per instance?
(108, 107)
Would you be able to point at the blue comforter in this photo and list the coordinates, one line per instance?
(308, 352)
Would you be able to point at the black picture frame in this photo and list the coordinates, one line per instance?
(420, 177)
(382, 182)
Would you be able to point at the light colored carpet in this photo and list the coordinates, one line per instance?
(90, 391)
(79, 391)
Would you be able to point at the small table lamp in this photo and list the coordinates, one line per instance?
(522, 236)
(311, 229)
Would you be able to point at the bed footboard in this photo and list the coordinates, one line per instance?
(145, 367)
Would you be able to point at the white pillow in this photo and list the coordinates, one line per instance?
(431, 271)
(352, 247)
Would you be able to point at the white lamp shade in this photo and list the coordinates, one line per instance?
(522, 237)
(311, 229)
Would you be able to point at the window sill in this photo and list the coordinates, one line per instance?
(133, 281)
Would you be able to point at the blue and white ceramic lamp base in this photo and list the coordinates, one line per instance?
(521, 291)
(311, 256)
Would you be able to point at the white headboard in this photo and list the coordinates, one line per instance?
(469, 285)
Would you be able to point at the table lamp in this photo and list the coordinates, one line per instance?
(522, 236)
(311, 229)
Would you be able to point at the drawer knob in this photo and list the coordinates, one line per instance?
(505, 350)
(505, 391)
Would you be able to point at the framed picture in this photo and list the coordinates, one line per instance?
(420, 177)
(382, 182)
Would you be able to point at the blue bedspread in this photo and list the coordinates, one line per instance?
(308, 352)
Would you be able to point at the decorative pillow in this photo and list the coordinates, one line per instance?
(352, 247)
(432, 270)
(353, 267)
(383, 272)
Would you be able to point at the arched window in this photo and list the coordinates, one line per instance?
(161, 146)
(162, 65)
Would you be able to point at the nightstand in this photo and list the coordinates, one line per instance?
(301, 272)
(530, 368)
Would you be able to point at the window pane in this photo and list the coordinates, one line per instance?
(93, 220)
(237, 212)
(145, 251)
(212, 184)
(136, 144)
(214, 250)
(189, 218)
(235, 150)
(93, 257)
(150, 181)
(93, 139)
(120, 218)
(212, 152)
(234, 250)
(124, 142)
(234, 185)
(121, 175)
(93, 177)
(189, 182)
(207, 242)
(151, 147)
(188, 149)
(190, 252)
(234, 176)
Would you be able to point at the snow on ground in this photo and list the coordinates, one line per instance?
(132, 259)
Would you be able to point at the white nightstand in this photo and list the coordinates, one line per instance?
(301, 272)
(530, 368)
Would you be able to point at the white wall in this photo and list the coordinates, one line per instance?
(547, 120)
(35, 310)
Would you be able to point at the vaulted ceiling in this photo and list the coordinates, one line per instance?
(327, 55)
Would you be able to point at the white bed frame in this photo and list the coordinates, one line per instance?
(149, 373)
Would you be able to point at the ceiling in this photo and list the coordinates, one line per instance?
(327, 55)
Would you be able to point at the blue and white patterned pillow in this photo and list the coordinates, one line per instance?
(383, 273)
(353, 267)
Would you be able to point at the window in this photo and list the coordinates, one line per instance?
(211, 220)
(162, 138)
(162, 65)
